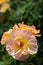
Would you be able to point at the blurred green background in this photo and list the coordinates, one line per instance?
(31, 13)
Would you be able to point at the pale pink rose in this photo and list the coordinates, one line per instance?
(21, 44)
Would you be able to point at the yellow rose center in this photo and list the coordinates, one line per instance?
(21, 42)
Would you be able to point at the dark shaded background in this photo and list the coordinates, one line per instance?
(31, 13)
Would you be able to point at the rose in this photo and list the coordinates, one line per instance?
(21, 41)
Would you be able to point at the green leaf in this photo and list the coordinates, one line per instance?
(1, 63)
